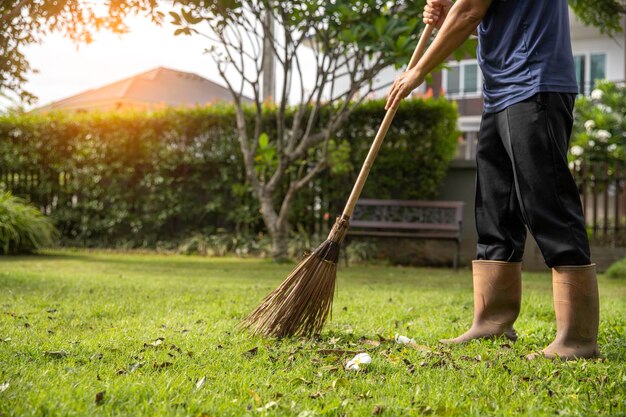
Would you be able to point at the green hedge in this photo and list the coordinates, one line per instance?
(136, 179)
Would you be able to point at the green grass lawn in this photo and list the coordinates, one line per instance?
(85, 333)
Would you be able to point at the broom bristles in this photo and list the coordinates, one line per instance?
(303, 302)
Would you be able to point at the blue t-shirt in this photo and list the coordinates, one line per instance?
(524, 47)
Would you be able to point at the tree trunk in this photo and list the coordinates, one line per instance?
(277, 227)
(280, 243)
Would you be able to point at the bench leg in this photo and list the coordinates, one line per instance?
(457, 257)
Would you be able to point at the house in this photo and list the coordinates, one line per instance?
(154, 89)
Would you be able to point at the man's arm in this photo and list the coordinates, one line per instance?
(460, 23)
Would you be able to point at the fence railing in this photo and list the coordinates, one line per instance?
(602, 186)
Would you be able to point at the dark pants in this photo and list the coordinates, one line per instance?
(523, 179)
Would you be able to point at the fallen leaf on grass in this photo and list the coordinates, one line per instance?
(121, 371)
(156, 343)
(369, 342)
(135, 366)
(340, 382)
(337, 352)
(4, 387)
(271, 404)
(162, 365)
(56, 353)
(251, 352)
(316, 395)
(421, 348)
(300, 380)
(377, 410)
(477, 358)
(7, 339)
(100, 397)
(255, 396)
(200, 382)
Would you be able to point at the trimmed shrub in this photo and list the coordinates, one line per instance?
(137, 179)
(23, 228)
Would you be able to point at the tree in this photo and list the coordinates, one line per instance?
(351, 40)
(606, 15)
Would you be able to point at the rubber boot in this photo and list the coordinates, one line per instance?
(576, 305)
(497, 300)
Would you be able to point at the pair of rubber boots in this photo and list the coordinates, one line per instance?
(497, 300)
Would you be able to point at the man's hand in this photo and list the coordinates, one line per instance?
(436, 11)
(402, 87)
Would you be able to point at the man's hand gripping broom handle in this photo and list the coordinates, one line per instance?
(382, 131)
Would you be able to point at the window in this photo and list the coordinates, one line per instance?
(589, 68)
(454, 81)
(470, 78)
(462, 79)
(597, 69)
(579, 62)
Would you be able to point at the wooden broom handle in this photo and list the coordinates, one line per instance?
(382, 131)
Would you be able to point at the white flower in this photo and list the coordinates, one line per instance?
(403, 340)
(589, 125)
(604, 108)
(571, 165)
(603, 135)
(576, 150)
(592, 143)
(612, 147)
(597, 94)
(360, 359)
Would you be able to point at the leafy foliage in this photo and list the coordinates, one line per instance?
(26, 22)
(138, 179)
(600, 125)
(23, 228)
(606, 15)
(617, 270)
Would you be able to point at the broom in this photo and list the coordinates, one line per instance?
(303, 302)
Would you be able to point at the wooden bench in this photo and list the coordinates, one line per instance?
(437, 220)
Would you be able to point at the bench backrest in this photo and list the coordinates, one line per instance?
(408, 215)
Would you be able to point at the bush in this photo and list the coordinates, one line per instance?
(23, 229)
(600, 125)
(138, 179)
(617, 270)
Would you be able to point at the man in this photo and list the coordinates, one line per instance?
(523, 180)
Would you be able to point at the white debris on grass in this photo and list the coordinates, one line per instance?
(361, 359)
(403, 340)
